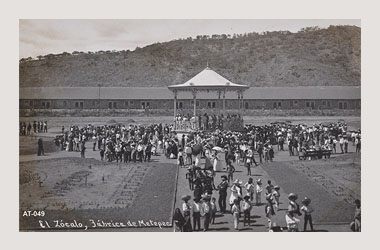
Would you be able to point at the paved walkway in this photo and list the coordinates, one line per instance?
(259, 222)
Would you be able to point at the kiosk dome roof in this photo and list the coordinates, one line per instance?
(208, 78)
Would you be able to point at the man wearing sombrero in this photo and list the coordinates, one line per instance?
(259, 190)
(307, 209)
(206, 209)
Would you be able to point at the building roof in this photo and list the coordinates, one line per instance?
(84, 93)
(304, 92)
(208, 78)
(157, 93)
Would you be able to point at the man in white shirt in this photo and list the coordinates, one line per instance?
(196, 214)
(206, 208)
(307, 209)
(341, 143)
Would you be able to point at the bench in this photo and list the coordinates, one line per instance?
(315, 154)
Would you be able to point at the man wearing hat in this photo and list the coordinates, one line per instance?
(222, 188)
(259, 190)
(206, 209)
(307, 209)
(196, 214)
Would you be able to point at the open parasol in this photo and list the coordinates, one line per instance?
(216, 148)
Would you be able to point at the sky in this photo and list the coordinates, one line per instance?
(42, 37)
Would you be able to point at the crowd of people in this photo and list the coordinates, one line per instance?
(240, 149)
(27, 128)
(120, 143)
(186, 122)
(241, 201)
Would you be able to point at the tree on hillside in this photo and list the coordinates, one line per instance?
(309, 29)
(26, 59)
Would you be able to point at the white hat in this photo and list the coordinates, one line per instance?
(237, 181)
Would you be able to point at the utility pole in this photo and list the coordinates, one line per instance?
(99, 101)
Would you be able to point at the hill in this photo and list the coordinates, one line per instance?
(310, 57)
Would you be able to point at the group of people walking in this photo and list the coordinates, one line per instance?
(29, 128)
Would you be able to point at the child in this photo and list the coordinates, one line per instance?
(247, 206)
(307, 209)
(154, 150)
(259, 189)
(213, 210)
(250, 188)
(180, 159)
(235, 214)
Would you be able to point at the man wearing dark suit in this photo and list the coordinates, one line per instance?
(222, 188)
(40, 150)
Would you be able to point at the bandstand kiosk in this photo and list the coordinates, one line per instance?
(206, 81)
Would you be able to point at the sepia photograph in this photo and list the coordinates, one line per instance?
(189, 125)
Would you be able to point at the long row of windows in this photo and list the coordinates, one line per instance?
(210, 104)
